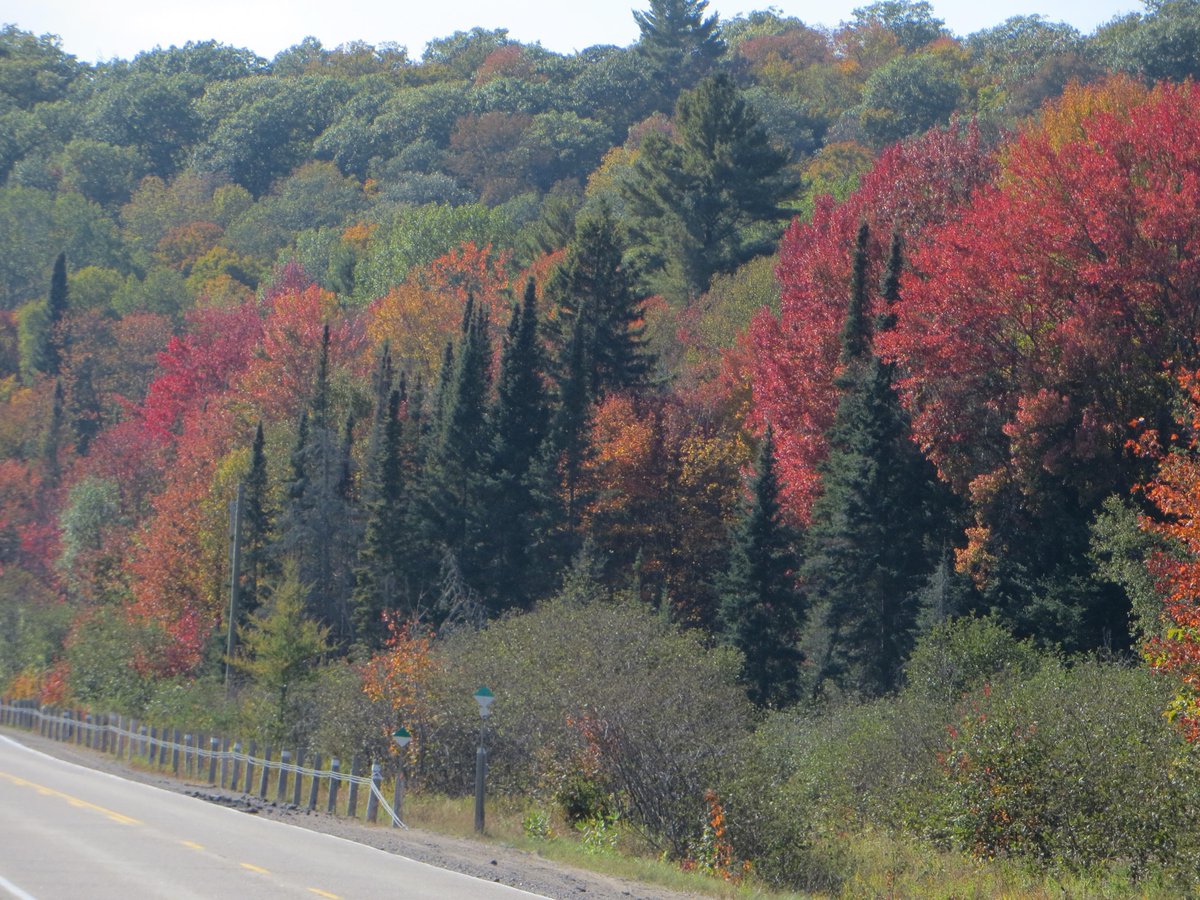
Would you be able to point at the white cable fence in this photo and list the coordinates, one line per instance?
(215, 759)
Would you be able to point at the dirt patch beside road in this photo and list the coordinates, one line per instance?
(489, 861)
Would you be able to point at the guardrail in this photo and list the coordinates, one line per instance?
(215, 759)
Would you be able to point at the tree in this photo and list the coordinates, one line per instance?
(521, 420)
(911, 21)
(257, 530)
(762, 608)
(379, 571)
(281, 644)
(709, 199)
(1025, 353)
(594, 291)
(680, 44)
(57, 307)
(317, 526)
(912, 188)
(461, 455)
(867, 550)
(912, 94)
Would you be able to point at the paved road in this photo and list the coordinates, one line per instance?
(67, 832)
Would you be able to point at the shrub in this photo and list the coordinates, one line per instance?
(960, 655)
(1074, 768)
(593, 699)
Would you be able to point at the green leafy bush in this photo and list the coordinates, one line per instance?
(593, 699)
(1074, 768)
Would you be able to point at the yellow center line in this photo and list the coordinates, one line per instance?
(192, 844)
(74, 801)
(321, 893)
(259, 869)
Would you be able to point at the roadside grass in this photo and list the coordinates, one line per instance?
(875, 865)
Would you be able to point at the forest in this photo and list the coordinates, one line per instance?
(797, 427)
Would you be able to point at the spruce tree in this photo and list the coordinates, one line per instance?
(378, 574)
(595, 294)
(319, 526)
(461, 458)
(556, 474)
(762, 608)
(256, 528)
(521, 421)
(870, 547)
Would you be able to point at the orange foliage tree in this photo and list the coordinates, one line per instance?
(399, 675)
(418, 316)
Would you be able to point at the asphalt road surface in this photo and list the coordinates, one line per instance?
(71, 832)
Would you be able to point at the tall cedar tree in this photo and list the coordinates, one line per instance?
(595, 294)
(521, 422)
(461, 455)
(867, 550)
(257, 535)
(709, 199)
(56, 313)
(680, 44)
(762, 608)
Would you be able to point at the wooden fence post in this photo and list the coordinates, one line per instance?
(352, 801)
(335, 769)
(296, 789)
(285, 759)
(373, 800)
(265, 775)
(237, 765)
(214, 744)
(315, 785)
(252, 747)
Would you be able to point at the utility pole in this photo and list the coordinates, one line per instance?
(235, 566)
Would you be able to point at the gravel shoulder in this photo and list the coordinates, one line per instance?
(489, 861)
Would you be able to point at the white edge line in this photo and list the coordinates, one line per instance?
(7, 885)
(22, 896)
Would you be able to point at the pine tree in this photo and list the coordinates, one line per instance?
(679, 43)
(869, 548)
(595, 294)
(521, 422)
(762, 608)
(711, 198)
(53, 440)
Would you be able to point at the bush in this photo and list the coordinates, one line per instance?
(1074, 768)
(958, 656)
(593, 699)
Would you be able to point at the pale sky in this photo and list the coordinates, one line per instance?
(103, 29)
